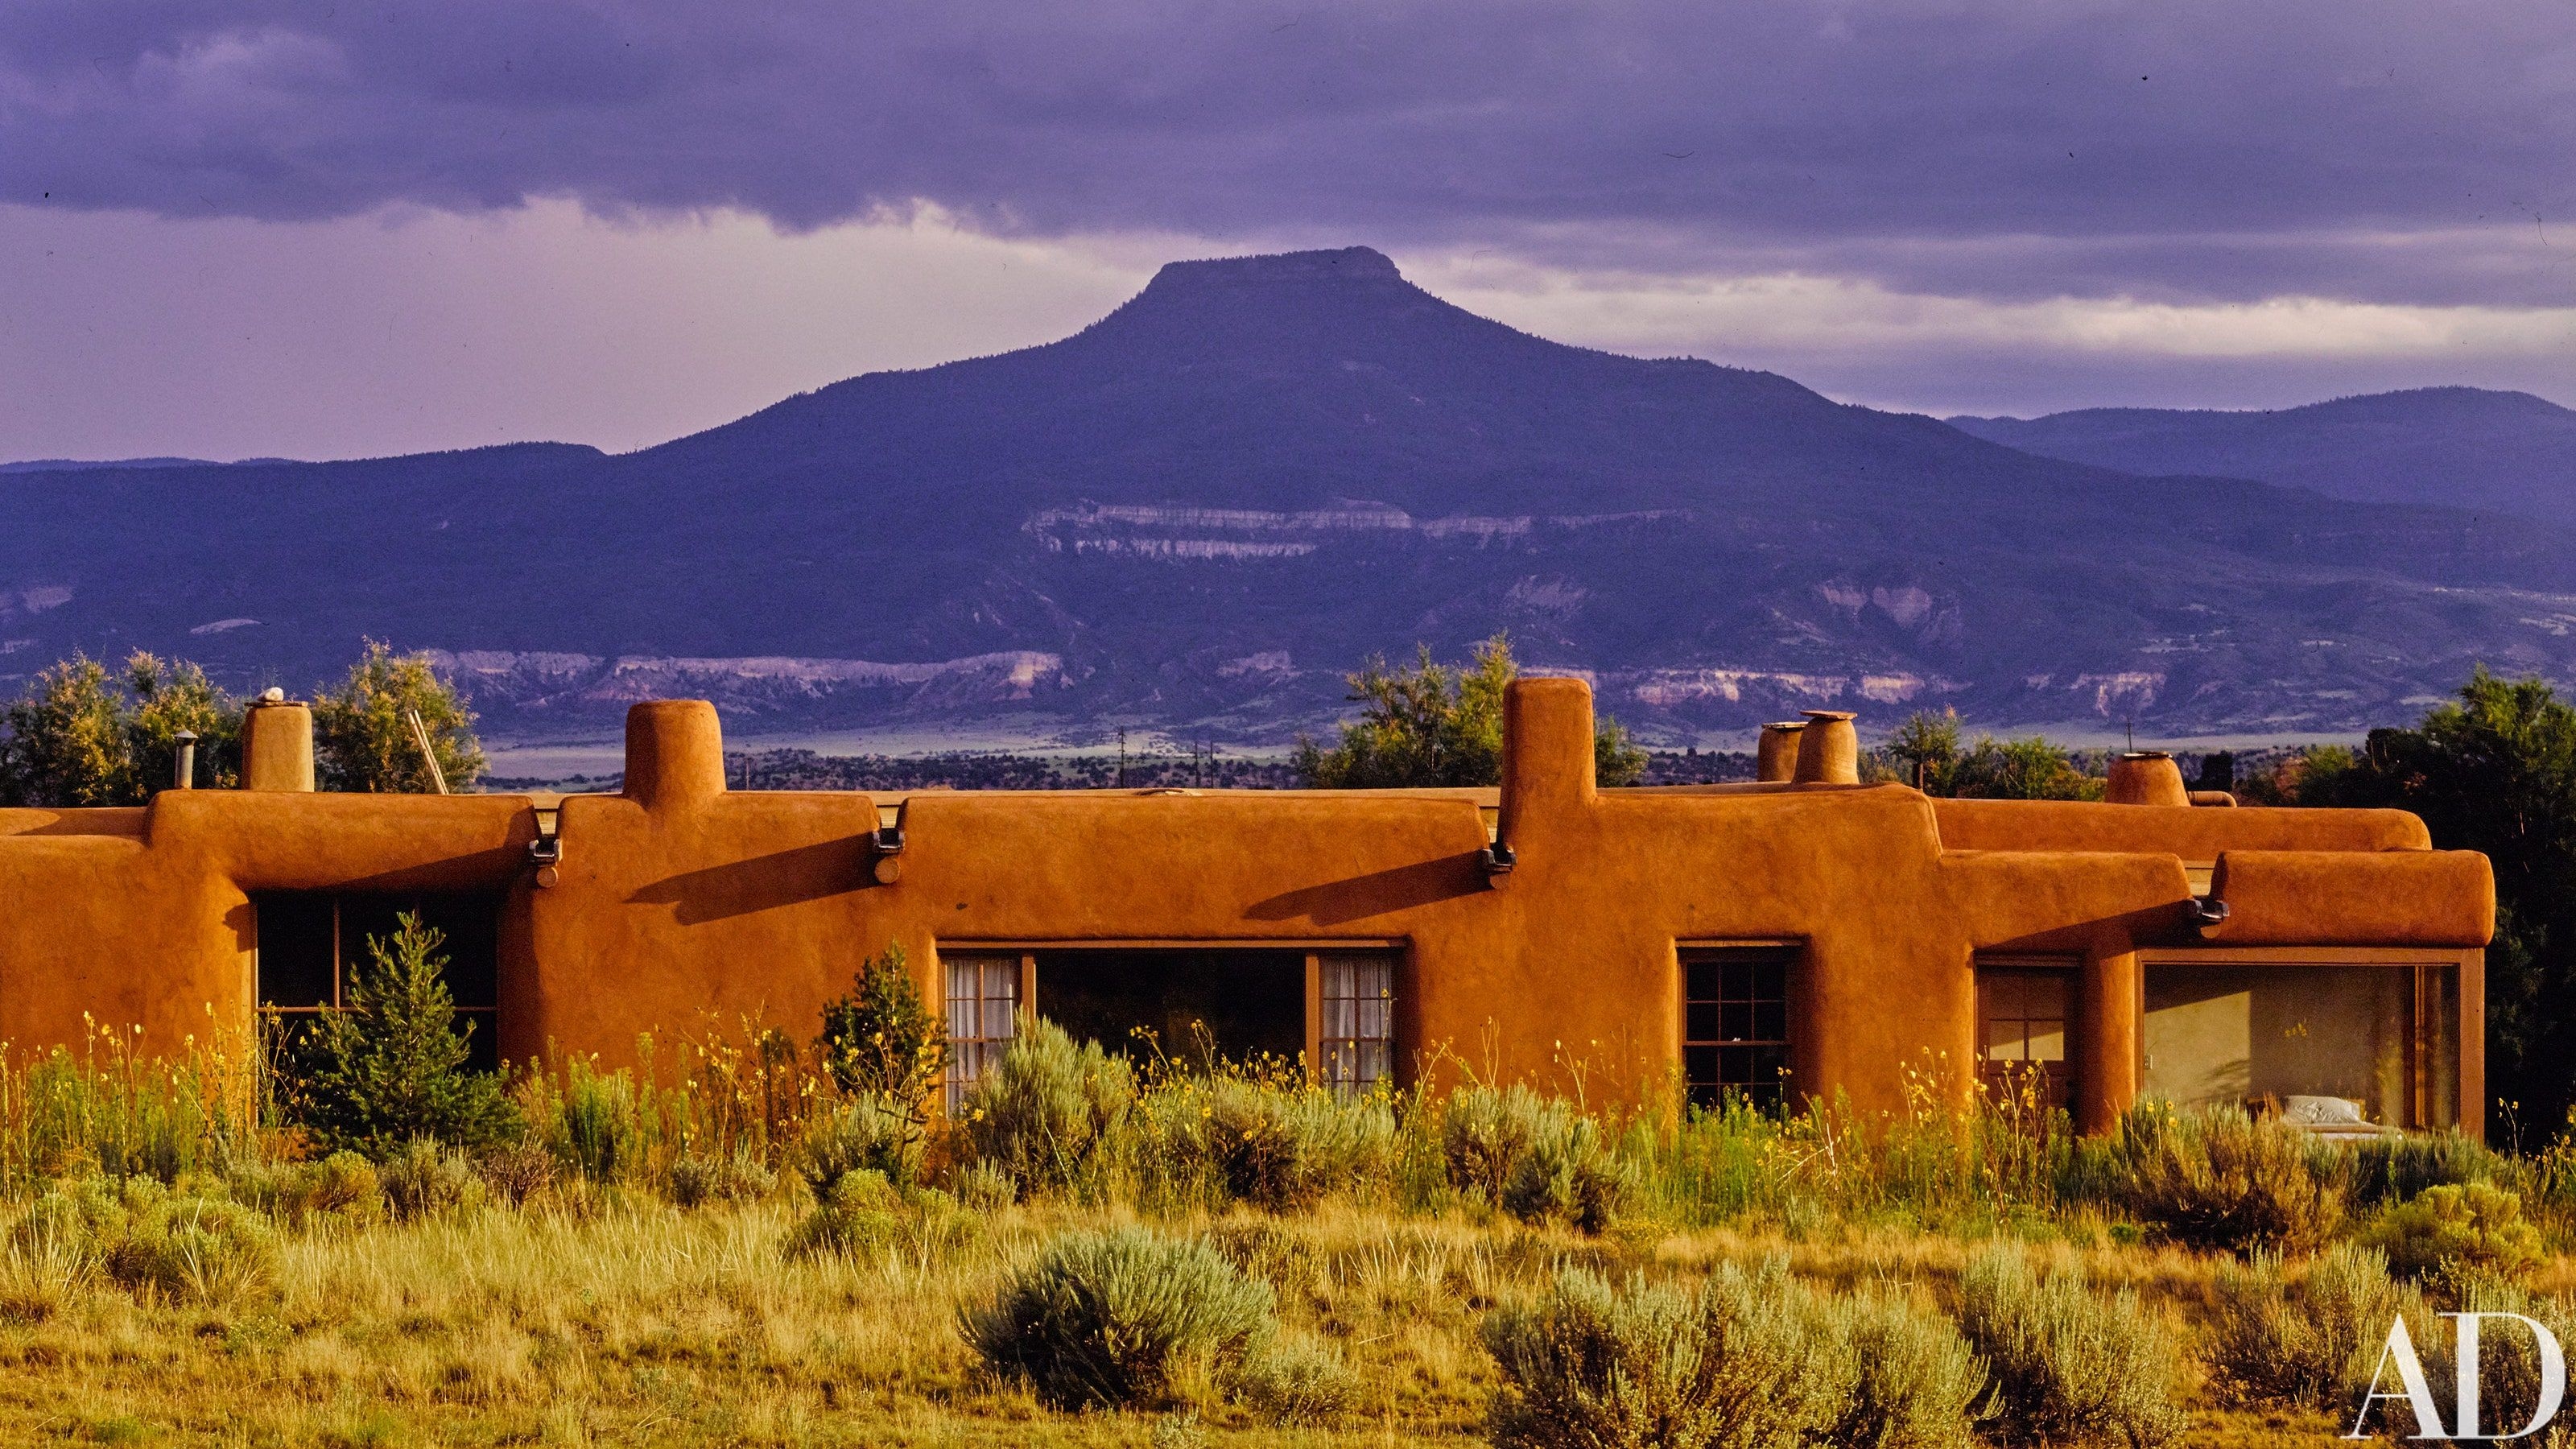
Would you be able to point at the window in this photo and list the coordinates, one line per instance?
(2382, 1038)
(2021, 1030)
(310, 943)
(983, 1015)
(1735, 1024)
(1355, 1020)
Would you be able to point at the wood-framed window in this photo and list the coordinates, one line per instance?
(1351, 1000)
(986, 990)
(1735, 1023)
(308, 945)
(2025, 1016)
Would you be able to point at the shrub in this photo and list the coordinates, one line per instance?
(859, 1211)
(1568, 1176)
(341, 1187)
(2393, 1169)
(1917, 1382)
(2070, 1367)
(391, 1066)
(598, 1130)
(1111, 1318)
(879, 1040)
(2510, 1370)
(696, 1181)
(517, 1171)
(1737, 1362)
(422, 1181)
(1275, 1146)
(865, 1134)
(1050, 1114)
(1484, 1134)
(1295, 1381)
(2445, 1233)
(2312, 1340)
(145, 1237)
(2216, 1178)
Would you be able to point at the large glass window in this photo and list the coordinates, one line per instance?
(983, 1015)
(1735, 1023)
(1355, 1030)
(2382, 1039)
(311, 943)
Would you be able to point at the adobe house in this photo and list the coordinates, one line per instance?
(1812, 926)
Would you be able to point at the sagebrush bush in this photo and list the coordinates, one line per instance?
(1568, 1176)
(1112, 1318)
(2215, 1178)
(1297, 1382)
(1743, 1360)
(145, 1237)
(342, 1189)
(425, 1179)
(1051, 1114)
(2447, 1233)
(2509, 1355)
(517, 1171)
(2312, 1338)
(1275, 1145)
(1484, 1134)
(2071, 1366)
(2393, 1169)
(694, 1180)
(864, 1134)
(1916, 1383)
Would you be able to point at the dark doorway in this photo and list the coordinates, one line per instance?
(1242, 1003)
(311, 942)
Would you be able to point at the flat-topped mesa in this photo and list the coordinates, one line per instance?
(1342, 265)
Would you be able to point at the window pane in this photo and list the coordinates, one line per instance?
(295, 950)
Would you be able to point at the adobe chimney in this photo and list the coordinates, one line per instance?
(2145, 777)
(1776, 759)
(277, 744)
(1828, 749)
(674, 753)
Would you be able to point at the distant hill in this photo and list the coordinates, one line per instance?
(1204, 508)
(2461, 447)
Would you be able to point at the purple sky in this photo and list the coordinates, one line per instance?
(334, 228)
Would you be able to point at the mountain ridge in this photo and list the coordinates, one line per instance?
(1206, 506)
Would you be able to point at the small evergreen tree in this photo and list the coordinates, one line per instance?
(389, 1067)
(1433, 725)
(363, 739)
(880, 1041)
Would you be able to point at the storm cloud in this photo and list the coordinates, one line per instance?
(2379, 151)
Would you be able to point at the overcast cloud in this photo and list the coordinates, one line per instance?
(2396, 169)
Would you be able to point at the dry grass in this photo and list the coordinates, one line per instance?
(629, 1322)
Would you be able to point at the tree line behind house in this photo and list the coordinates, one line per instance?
(85, 735)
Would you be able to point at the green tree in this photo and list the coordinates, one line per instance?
(83, 737)
(1923, 751)
(389, 1067)
(880, 1040)
(1434, 725)
(362, 733)
(2495, 773)
(173, 696)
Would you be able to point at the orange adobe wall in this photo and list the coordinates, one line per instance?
(678, 897)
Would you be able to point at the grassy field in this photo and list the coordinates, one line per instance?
(744, 1254)
(628, 1321)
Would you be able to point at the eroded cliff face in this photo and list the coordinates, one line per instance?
(1205, 509)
